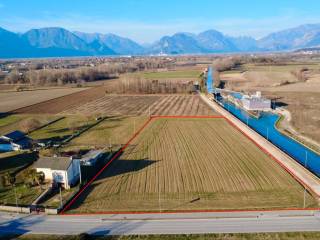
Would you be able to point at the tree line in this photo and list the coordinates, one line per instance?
(78, 75)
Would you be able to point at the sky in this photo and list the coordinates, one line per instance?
(146, 21)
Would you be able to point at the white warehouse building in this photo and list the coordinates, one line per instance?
(59, 170)
(256, 103)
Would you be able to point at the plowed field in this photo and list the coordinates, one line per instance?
(191, 164)
(141, 105)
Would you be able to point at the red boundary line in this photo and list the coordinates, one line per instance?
(184, 211)
(190, 211)
(105, 166)
(178, 117)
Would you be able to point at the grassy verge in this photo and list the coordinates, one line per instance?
(25, 195)
(235, 236)
(294, 137)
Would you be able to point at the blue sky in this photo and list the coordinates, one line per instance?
(148, 20)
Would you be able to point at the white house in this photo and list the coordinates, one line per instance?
(59, 170)
(256, 102)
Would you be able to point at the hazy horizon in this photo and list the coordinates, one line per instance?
(145, 21)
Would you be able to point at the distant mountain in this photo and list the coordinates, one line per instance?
(55, 38)
(12, 46)
(179, 43)
(214, 41)
(244, 43)
(118, 44)
(59, 42)
(64, 42)
(210, 41)
(300, 37)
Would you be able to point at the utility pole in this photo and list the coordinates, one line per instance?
(60, 197)
(15, 195)
(305, 189)
(80, 176)
(159, 198)
(134, 125)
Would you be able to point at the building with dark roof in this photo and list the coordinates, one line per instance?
(14, 136)
(14, 141)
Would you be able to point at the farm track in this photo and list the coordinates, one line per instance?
(175, 161)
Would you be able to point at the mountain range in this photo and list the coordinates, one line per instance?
(59, 42)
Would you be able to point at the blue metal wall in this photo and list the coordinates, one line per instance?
(210, 81)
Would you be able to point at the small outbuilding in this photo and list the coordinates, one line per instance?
(60, 170)
(91, 157)
(14, 141)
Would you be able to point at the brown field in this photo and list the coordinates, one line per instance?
(115, 105)
(184, 164)
(60, 104)
(10, 101)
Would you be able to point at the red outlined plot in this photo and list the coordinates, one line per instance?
(72, 201)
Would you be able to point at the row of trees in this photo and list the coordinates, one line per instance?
(57, 77)
(225, 64)
(135, 84)
(81, 74)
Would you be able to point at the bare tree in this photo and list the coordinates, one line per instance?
(13, 77)
(29, 124)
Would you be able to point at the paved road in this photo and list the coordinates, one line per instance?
(301, 174)
(195, 223)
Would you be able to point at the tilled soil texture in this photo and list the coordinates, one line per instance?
(64, 103)
(191, 164)
(116, 105)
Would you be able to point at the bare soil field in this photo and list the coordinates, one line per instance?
(63, 103)
(191, 164)
(115, 105)
(10, 101)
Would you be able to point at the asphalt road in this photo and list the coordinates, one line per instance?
(195, 223)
